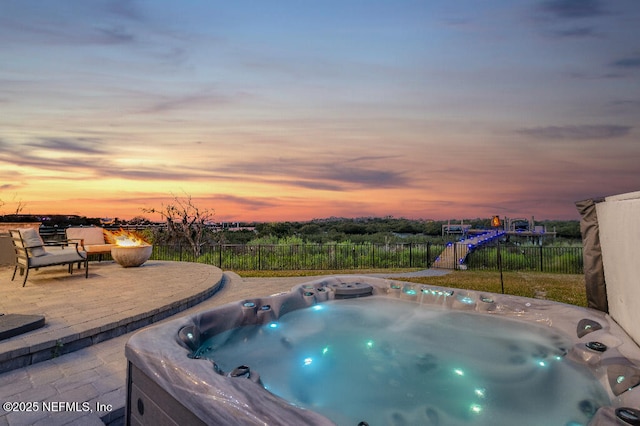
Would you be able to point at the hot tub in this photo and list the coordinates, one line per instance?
(421, 355)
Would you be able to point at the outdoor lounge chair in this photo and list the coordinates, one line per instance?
(33, 253)
(91, 239)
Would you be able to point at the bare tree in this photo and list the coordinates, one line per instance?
(186, 222)
(20, 205)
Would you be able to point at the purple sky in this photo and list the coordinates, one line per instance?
(293, 110)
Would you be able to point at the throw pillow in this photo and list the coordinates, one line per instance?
(31, 238)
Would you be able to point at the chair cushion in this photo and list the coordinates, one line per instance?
(99, 248)
(31, 238)
(90, 235)
(57, 256)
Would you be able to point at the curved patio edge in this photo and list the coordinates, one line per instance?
(113, 301)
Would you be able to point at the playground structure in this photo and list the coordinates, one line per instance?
(454, 255)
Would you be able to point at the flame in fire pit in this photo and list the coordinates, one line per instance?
(125, 238)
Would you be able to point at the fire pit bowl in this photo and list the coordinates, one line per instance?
(131, 256)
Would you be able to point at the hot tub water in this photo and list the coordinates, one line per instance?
(389, 361)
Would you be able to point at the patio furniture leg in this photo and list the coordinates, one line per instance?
(21, 273)
(86, 267)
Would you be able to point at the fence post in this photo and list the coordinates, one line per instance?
(220, 256)
(333, 253)
(410, 255)
(541, 268)
(354, 256)
(500, 267)
(455, 255)
(295, 257)
(373, 255)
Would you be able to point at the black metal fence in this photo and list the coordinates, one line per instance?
(305, 256)
(563, 260)
(372, 256)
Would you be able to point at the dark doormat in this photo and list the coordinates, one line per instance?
(15, 324)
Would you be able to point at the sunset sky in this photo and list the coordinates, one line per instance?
(299, 109)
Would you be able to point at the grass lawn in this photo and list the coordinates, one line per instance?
(565, 288)
(316, 272)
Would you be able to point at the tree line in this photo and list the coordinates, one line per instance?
(336, 229)
(313, 228)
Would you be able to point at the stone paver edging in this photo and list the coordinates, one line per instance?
(113, 301)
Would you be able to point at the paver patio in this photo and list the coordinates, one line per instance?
(87, 319)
